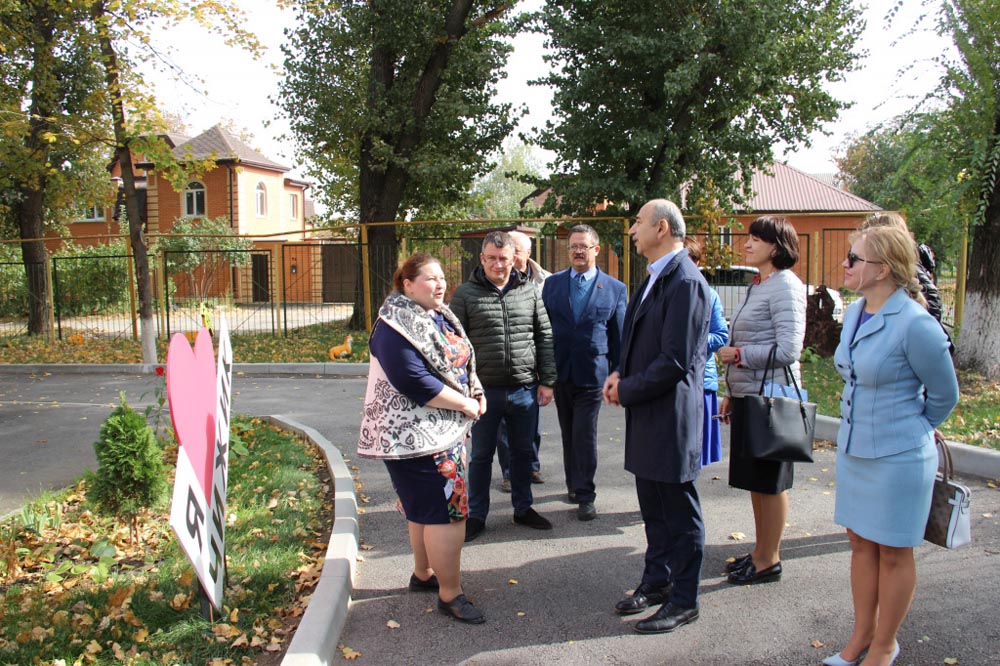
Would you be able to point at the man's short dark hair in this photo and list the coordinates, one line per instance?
(498, 239)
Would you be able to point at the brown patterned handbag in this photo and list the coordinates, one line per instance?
(949, 522)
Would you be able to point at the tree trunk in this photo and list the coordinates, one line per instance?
(31, 207)
(978, 346)
(381, 188)
(137, 238)
(35, 257)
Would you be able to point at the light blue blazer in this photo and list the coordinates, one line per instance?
(886, 365)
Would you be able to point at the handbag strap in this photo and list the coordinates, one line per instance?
(789, 376)
(768, 367)
(944, 455)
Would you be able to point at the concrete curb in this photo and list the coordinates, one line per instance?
(315, 640)
(970, 460)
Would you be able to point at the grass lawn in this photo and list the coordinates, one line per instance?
(75, 590)
(975, 420)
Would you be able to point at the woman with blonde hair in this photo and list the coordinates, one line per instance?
(899, 385)
(926, 280)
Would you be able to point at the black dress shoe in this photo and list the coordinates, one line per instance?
(750, 575)
(587, 511)
(645, 595)
(473, 528)
(417, 585)
(668, 618)
(739, 563)
(532, 519)
(461, 609)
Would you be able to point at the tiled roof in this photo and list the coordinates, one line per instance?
(222, 146)
(784, 190)
(788, 190)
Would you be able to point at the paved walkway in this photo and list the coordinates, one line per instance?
(548, 596)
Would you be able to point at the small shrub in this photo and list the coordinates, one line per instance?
(130, 475)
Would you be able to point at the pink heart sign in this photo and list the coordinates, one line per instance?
(191, 392)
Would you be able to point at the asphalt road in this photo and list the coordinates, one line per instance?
(548, 596)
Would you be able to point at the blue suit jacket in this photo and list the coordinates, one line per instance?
(587, 350)
(664, 350)
(887, 363)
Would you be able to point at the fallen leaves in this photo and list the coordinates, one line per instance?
(392, 624)
(349, 653)
(737, 536)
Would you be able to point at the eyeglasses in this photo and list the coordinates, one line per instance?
(851, 258)
(497, 260)
(581, 248)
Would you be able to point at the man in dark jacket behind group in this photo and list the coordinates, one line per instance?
(503, 315)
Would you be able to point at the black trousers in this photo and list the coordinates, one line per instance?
(578, 408)
(675, 537)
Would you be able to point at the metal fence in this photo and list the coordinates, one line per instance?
(280, 287)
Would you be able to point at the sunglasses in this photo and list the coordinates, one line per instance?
(851, 258)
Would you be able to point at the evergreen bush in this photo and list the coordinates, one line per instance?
(130, 472)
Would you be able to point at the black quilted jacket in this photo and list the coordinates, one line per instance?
(510, 331)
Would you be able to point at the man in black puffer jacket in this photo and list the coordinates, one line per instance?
(503, 315)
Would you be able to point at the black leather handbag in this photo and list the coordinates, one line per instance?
(775, 427)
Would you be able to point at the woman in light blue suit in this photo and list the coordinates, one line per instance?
(899, 385)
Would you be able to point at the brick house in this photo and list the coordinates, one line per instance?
(245, 187)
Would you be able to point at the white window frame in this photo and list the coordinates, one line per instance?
(293, 206)
(92, 213)
(260, 196)
(725, 236)
(191, 192)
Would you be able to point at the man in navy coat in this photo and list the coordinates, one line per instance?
(586, 309)
(660, 383)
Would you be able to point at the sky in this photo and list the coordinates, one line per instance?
(239, 89)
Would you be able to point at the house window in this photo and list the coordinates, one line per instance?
(194, 199)
(293, 206)
(261, 200)
(91, 214)
(725, 236)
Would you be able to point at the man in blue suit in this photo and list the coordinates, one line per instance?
(586, 309)
(661, 385)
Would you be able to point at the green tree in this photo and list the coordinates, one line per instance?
(76, 67)
(202, 250)
(970, 87)
(653, 95)
(49, 121)
(134, 115)
(390, 102)
(130, 476)
(905, 165)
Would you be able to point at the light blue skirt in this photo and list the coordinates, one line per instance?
(886, 500)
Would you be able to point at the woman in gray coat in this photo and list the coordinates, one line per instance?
(772, 314)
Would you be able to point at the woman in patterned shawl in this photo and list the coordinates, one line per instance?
(422, 399)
